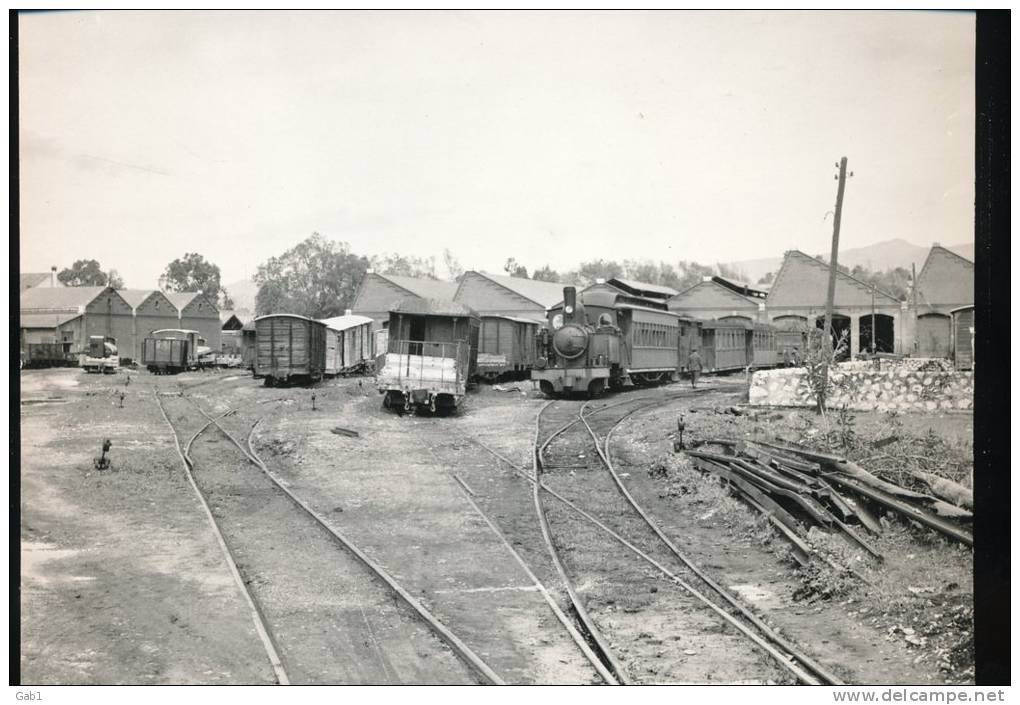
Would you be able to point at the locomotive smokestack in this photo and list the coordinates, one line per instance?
(569, 302)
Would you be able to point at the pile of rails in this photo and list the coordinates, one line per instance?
(797, 489)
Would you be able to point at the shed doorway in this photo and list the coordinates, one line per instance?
(840, 329)
(884, 339)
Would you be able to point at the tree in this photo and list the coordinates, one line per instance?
(405, 265)
(730, 272)
(114, 279)
(87, 272)
(768, 278)
(514, 269)
(453, 269)
(193, 273)
(692, 273)
(589, 272)
(644, 271)
(546, 274)
(317, 278)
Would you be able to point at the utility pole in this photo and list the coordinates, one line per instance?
(913, 295)
(830, 297)
(874, 343)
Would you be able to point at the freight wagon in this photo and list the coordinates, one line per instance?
(432, 355)
(349, 344)
(101, 355)
(48, 355)
(963, 337)
(289, 349)
(171, 351)
(506, 347)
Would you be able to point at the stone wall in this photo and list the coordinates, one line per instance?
(907, 385)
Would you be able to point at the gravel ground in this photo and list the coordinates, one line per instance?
(121, 579)
(123, 582)
(912, 625)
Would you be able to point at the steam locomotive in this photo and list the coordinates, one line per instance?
(606, 339)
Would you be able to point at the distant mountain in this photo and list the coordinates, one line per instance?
(878, 257)
(243, 293)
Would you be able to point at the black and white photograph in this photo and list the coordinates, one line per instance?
(475, 347)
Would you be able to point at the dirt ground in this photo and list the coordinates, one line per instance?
(122, 580)
(912, 624)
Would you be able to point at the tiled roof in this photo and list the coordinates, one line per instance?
(813, 293)
(432, 307)
(642, 287)
(425, 288)
(59, 297)
(544, 294)
(135, 297)
(26, 280)
(243, 315)
(714, 286)
(741, 287)
(45, 320)
(945, 278)
(180, 299)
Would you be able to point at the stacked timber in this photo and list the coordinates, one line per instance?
(798, 489)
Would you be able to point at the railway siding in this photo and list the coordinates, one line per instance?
(121, 580)
(397, 498)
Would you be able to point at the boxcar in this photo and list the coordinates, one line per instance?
(724, 345)
(355, 344)
(963, 337)
(506, 347)
(171, 350)
(289, 348)
(431, 356)
(334, 350)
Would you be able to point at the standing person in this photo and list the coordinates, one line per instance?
(694, 363)
(796, 356)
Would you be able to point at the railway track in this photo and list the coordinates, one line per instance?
(324, 611)
(593, 516)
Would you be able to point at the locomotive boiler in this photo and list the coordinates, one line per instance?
(604, 339)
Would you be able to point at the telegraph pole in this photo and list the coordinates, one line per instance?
(829, 299)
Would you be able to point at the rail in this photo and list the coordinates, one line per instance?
(787, 655)
(452, 640)
(809, 671)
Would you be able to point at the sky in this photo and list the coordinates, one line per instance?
(553, 138)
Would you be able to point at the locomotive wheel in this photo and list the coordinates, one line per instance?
(547, 388)
(595, 388)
